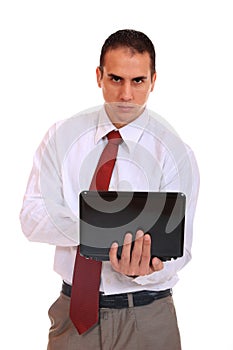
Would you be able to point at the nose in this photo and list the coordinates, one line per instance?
(126, 93)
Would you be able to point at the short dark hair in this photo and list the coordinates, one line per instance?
(134, 40)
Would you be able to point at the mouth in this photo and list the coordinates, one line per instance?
(125, 108)
(123, 112)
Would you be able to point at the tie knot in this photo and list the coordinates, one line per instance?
(114, 137)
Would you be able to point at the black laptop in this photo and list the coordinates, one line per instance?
(106, 216)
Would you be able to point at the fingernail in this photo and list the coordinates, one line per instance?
(139, 234)
(147, 237)
(128, 238)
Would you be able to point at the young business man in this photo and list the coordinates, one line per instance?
(133, 294)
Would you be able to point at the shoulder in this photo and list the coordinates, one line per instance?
(64, 133)
(164, 132)
(74, 126)
(169, 138)
(81, 121)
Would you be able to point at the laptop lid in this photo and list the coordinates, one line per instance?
(106, 216)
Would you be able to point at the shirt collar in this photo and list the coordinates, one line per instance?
(104, 126)
(130, 133)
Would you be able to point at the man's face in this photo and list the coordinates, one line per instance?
(126, 84)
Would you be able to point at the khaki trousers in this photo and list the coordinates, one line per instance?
(152, 326)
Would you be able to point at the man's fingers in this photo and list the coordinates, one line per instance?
(139, 263)
(137, 249)
(122, 264)
(157, 264)
(113, 256)
(146, 254)
(126, 249)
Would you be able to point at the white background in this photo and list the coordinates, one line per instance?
(49, 52)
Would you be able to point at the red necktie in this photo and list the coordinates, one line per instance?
(84, 305)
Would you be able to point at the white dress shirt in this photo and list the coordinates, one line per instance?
(151, 158)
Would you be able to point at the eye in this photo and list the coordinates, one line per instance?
(116, 79)
(138, 80)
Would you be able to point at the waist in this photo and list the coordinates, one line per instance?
(124, 300)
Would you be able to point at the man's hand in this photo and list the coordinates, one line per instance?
(137, 262)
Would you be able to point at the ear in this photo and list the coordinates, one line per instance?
(153, 82)
(99, 76)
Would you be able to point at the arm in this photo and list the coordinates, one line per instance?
(185, 178)
(45, 216)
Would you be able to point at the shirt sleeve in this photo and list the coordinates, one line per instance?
(45, 216)
(184, 177)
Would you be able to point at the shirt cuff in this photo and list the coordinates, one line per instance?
(158, 277)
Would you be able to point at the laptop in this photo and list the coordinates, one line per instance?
(106, 216)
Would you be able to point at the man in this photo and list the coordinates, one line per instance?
(150, 157)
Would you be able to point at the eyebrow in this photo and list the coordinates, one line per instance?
(142, 77)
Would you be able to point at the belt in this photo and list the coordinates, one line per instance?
(124, 300)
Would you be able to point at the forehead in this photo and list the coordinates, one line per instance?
(124, 62)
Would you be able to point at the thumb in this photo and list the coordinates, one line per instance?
(157, 264)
